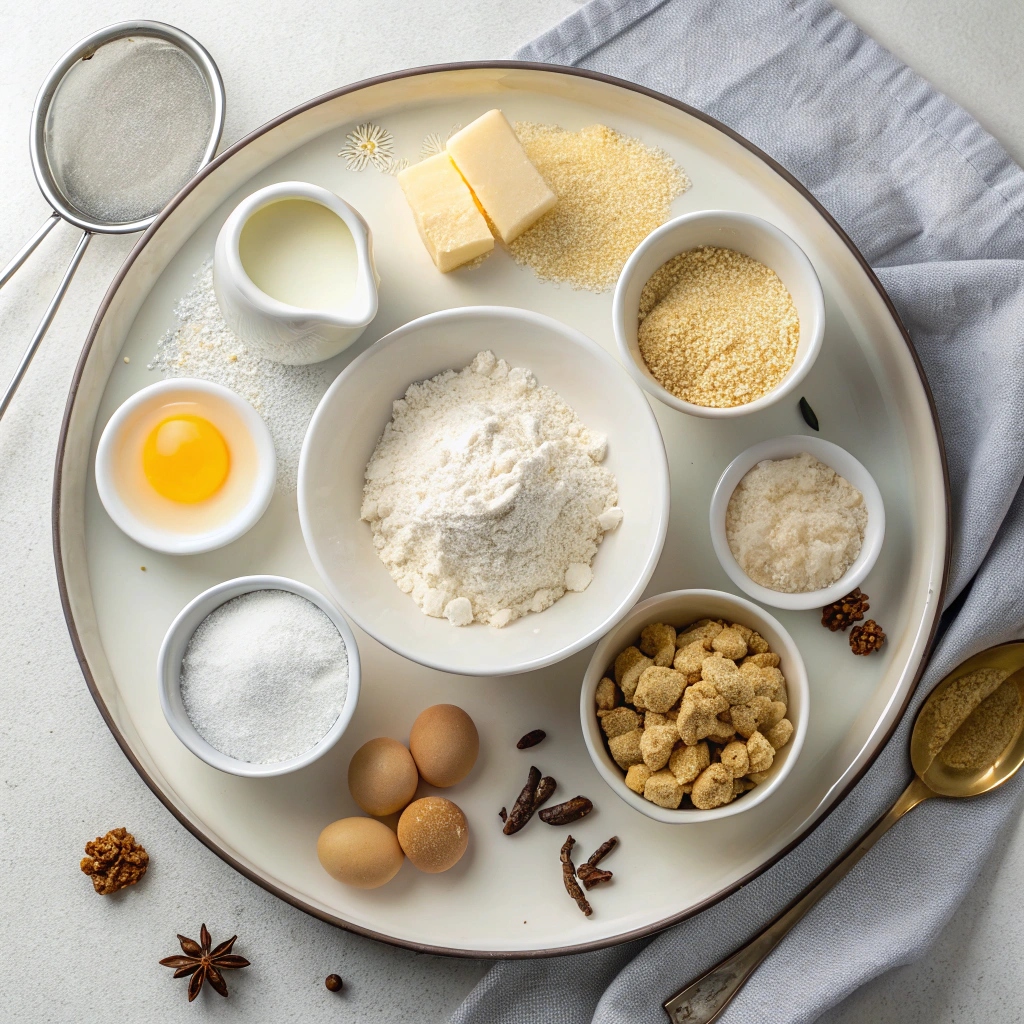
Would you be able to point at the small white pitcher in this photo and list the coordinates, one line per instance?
(276, 330)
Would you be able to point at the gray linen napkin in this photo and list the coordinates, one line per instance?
(937, 207)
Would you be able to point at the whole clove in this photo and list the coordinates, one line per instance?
(536, 791)
(568, 812)
(569, 877)
(531, 739)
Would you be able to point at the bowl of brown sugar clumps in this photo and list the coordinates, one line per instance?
(718, 314)
(695, 707)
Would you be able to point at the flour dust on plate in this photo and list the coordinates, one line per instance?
(300, 253)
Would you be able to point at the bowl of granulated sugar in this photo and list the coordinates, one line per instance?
(259, 676)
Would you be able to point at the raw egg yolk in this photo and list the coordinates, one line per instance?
(185, 458)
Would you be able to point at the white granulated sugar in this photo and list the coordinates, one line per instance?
(204, 346)
(486, 495)
(795, 525)
(265, 676)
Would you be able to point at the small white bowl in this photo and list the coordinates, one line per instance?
(199, 527)
(680, 608)
(350, 419)
(847, 467)
(743, 233)
(172, 650)
(276, 330)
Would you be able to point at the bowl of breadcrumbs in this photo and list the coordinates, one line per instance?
(695, 706)
(718, 314)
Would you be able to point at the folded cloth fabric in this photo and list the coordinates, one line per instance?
(937, 207)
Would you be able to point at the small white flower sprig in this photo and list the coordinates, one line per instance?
(369, 144)
(434, 143)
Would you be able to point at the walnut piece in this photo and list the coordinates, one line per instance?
(114, 861)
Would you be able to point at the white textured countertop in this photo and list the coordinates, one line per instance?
(73, 956)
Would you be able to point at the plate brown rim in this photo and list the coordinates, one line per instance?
(433, 69)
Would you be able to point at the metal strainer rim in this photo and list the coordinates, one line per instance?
(37, 139)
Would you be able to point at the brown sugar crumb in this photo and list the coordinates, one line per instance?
(988, 731)
(114, 861)
(613, 191)
(717, 328)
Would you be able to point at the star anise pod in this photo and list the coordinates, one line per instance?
(866, 639)
(846, 611)
(203, 963)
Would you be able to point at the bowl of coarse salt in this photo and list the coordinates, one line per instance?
(259, 676)
(718, 314)
(797, 522)
(484, 491)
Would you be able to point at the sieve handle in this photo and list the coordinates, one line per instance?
(27, 249)
(51, 311)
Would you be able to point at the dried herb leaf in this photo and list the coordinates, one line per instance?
(808, 414)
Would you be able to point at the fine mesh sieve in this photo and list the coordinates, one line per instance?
(120, 124)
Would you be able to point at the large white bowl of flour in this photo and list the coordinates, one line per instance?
(343, 435)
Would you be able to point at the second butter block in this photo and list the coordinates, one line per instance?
(492, 160)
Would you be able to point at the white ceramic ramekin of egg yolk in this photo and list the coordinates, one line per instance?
(180, 528)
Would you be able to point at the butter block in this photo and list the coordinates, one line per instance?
(505, 182)
(451, 225)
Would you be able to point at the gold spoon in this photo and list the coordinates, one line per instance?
(702, 1001)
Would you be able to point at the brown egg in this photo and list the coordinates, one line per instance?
(382, 776)
(444, 743)
(434, 833)
(360, 852)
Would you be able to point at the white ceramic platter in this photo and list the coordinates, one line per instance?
(866, 388)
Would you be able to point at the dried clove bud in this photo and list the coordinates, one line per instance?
(569, 877)
(531, 739)
(568, 812)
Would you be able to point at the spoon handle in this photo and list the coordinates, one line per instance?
(702, 1001)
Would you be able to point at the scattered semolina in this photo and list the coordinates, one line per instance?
(695, 716)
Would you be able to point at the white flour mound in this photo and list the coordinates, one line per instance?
(486, 496)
